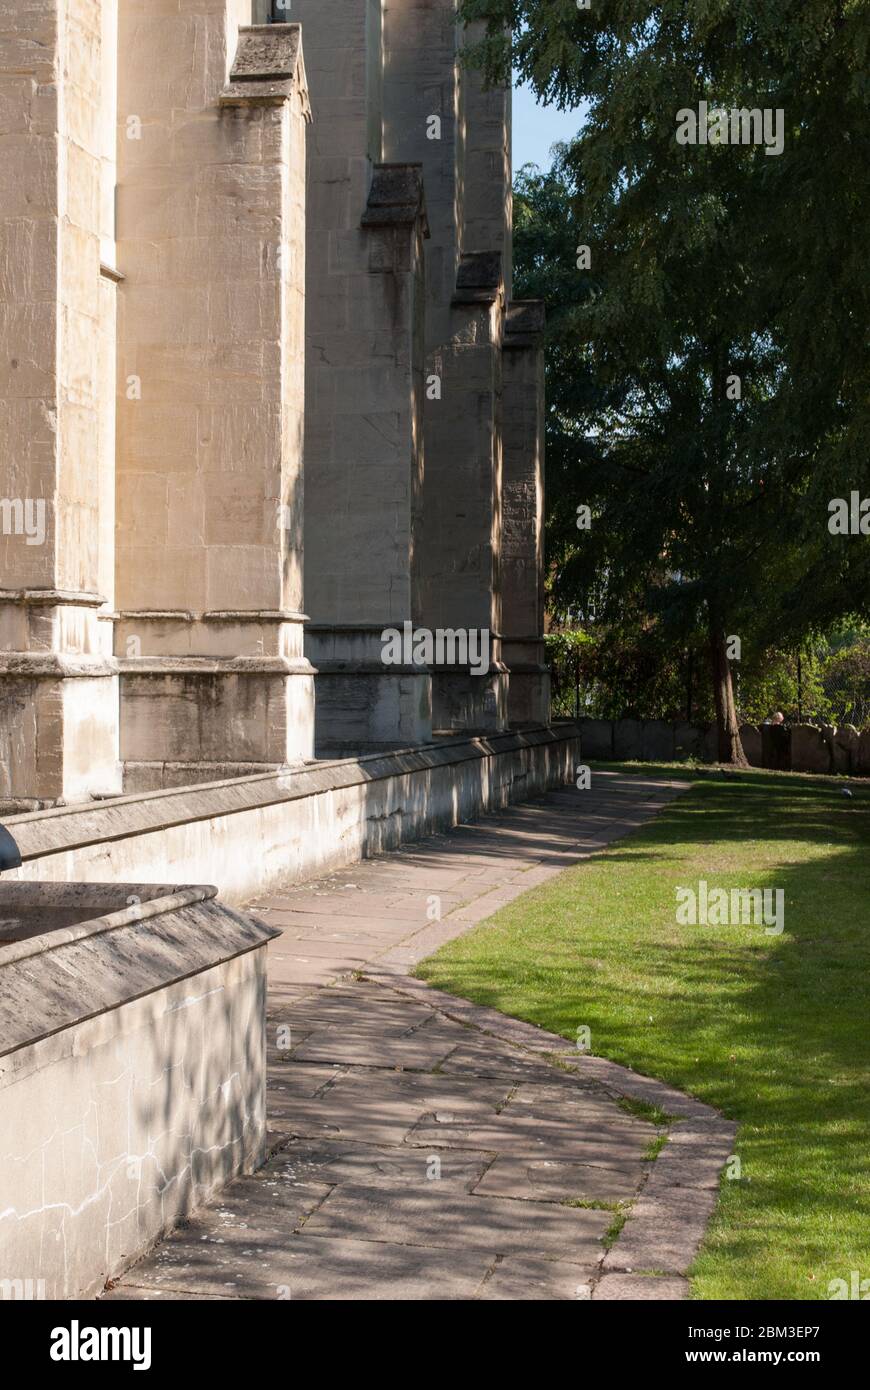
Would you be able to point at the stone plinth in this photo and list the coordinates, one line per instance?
(132, 1071)
(189, 718)
(361, 703)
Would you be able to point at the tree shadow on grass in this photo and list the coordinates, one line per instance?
(772, 1030)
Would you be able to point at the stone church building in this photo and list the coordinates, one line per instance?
(264, 394)
(271, 456)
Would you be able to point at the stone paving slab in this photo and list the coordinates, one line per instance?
(695, 1155)
(303, 1082)
(622, 1287)
(380, 1109)
(479, 1055)
(448, 1220)
(530, 1139)
(306, 926)
(365, 1165)
(665, 1230)
(424, 1048)
(317, 1268)
(554, 1180)
(522, 1278)
(423, 1147)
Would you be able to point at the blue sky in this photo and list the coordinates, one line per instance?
(536, 128)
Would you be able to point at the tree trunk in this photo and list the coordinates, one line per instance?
(730, 746)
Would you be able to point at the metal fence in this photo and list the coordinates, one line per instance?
(821, 684)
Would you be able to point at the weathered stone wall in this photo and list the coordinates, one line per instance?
(422, 80)
(522, 551)
(364, 366)
(161, 384)
(211, 219)
(58, 694)
(796, 748)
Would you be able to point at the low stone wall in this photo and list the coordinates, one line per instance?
(798, 748)
(132, 1072)
(646, 740)
(253, 833)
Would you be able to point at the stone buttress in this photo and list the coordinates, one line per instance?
(212, 124)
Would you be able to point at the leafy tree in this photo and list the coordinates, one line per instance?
(709, 370)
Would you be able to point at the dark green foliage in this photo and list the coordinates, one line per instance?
(709, 514)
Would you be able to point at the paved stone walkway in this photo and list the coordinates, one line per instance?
(424, 1148)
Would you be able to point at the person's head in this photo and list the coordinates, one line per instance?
(778, 718)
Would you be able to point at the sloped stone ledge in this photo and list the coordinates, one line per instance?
(250, 833)
(479, 278)
(55, 976)
(268, 68)
(132, 1070)
(525, 325)
(396, 197)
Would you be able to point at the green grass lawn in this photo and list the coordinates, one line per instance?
(772, 1030)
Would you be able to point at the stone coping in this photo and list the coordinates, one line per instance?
(108, 960)
(479, 276)
(268, 67)
(50, 905)
(396, 197)
(56, 831)
(525, 323)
